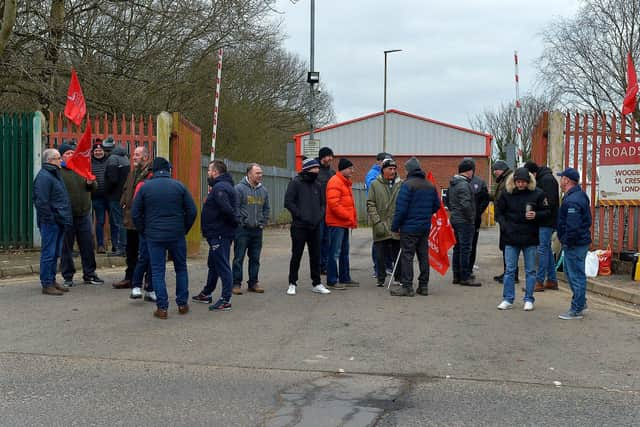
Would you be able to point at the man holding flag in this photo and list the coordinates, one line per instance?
(417, 202)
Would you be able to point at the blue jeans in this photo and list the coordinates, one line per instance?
(80, 232)
(218, 263)
(142, 265)
(120, 233)
(546, 262)
(100, 207)
(574, 257)
(338, 253)
(248, 241)
(158, 255)
(461, 260)
(511, 254)
(51, 237)
(325, 246)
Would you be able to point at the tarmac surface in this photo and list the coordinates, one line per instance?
(357, 357)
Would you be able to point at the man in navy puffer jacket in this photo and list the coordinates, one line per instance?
(163, 212)
(417, 202)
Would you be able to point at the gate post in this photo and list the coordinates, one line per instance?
(555, 154)
(39, 126)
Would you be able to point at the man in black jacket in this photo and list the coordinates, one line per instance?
(98, 199)
(306, 202)
(546, 182)
(522, 207)
(325, 158)
(115, 175)
(481, 195)
(219, 221)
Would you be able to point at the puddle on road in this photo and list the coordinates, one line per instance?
(339, 400)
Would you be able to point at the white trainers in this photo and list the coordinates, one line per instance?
(320, 289)
(528, 306)
(136, 293)
(292, 289)
(150, 296)
(505, 305)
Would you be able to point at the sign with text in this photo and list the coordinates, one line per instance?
(619, 172)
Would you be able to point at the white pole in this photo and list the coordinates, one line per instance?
(518, 115)
(395, 266)
(216, 105)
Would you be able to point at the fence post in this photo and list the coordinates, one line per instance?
(556, 147)
(163, 134)
(39, 126)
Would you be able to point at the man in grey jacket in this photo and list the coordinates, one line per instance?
(462, 215)
(253, 208)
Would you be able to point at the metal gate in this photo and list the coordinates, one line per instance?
(16, 170)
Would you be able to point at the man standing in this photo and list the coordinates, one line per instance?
(98, 199)
(341, 217)
(481, 196)
(574, 232)
(219, 221)
(163, 211)
(373, 173)
(325, 158)
(417, 202)
(501, 171)
(253, 208)
(53, 212)
(462, 214)
(79, 190)
(522, 207)
(141, 171)
(546, 182)
(381, 207)
(115, 176)
(305, 200)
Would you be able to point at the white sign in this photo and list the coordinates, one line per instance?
(619, 182)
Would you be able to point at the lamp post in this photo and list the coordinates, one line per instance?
(384, 119)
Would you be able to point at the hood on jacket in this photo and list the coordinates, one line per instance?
(119, 151)
(457, 179)
(245, 181)
(543, 171)
(380, 178)
(510, 184)
(224, 177)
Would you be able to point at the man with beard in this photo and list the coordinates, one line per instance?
(306, 201)
(98, 198)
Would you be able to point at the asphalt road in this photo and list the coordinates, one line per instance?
(353, 358)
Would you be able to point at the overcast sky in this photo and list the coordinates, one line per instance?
(457, 57)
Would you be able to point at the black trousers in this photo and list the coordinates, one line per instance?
(299, 237)
(80, 232)
(414, 244)
(474, 245)
(387, 249)
(133, 243)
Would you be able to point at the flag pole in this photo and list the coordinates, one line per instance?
(216, 105)
(518, 114)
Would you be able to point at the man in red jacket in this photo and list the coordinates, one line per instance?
(341, 217)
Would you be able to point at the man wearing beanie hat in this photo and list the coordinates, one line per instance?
(371, 176)
(163, 211)
(325, 158)
(341, 216)
(305, 200)
(501, 171)
(98, 199)
(522, 207)
(481, 196)
(417, 202)
(115, 176)
(462, 215)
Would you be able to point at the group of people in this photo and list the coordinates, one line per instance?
(157, 212)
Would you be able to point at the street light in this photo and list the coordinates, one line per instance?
(384, 120)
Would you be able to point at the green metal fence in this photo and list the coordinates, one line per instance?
(16, 171)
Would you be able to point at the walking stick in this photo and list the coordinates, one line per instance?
(395, 265)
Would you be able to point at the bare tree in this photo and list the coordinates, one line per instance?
(8, 20)
(585, 56)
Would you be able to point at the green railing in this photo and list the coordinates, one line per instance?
(16, 172)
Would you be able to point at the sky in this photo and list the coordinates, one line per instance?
(456, 60)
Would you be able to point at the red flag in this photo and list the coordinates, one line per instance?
(75, 109)
(630, 99)
(80, 162)
(441, 237)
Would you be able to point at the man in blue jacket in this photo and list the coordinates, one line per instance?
(417, 202)
(574, 232)
(218, 222)
(53, 210)
(163, 212)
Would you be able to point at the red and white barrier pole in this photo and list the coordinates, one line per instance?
(216, 106)
(518, 114)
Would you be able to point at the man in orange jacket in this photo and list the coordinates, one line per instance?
(340, 217)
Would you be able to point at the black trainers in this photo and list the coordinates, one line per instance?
(68, 283)
(423, 291)
(402, 292)
(202, 298)
(93, 280)
(220, 305)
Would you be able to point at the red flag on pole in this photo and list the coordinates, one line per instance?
(75, 108)
(630, 99)
(441, 237)
(80, 162)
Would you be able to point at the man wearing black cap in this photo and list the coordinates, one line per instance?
(574, 232)
(325, 158)
(481, 196)
(371, 176)
(501, 171)
(546, 182)
(522, 207)
(462, 215)
(417, 202)
(164, 211)
(305, 200)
